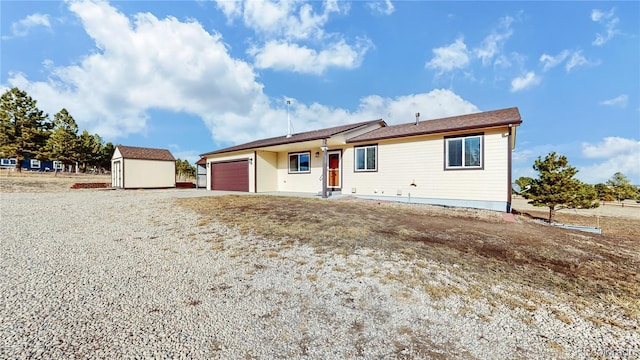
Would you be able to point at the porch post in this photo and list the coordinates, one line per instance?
(325, 160)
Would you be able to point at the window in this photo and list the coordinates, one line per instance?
(35, 164)
(57, 165)
(366, 158)
(299, 162)
(8, 162)
(464, 152)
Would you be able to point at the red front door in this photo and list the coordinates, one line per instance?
(334, 170)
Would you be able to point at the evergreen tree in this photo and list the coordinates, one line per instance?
(604, 192)
(106, 154)
(621, 187)
(90, 149)
(184, 169)
(523, 182)
(556, 188)
(24, 128)
(63, 144)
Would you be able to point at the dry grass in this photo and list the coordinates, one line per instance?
(28, 181)
(581, 268)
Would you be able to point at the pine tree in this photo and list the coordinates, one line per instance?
(63, 144)
(24, 128)
(621, 187)
(556, 188)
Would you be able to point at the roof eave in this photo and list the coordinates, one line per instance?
(439, 131)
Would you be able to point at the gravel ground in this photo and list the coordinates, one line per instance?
(128, 274)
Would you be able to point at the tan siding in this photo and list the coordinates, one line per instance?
(305, 182)
(149, 174)
(420, 161)
(267, 169)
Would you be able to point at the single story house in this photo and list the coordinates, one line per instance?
(32, 164)
(137, 167)
(462, 161)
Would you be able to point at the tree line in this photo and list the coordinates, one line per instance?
(556, 188)
(26, 132)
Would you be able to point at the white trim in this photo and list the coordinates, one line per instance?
(462, 154)
(8, 162)
(366, 149)
(34, 163)
(298, 154)
(329, 153)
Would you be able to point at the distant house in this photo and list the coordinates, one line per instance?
(137, 167)
(32, 164)
(460, 161)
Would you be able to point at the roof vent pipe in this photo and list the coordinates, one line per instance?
(417, 118)
(288, 120)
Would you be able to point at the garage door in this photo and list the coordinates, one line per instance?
(230, 176)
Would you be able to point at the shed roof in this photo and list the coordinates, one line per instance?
(487, 119)
(134, 152)
(295, 138)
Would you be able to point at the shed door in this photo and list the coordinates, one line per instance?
(230, 176)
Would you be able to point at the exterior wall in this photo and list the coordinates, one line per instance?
(303, 182)
(403, 163)
(229, 157)
(267, 169)
(148, 173)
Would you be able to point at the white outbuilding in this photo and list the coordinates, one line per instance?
(137, 167)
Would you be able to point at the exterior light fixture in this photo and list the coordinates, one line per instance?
(317, 154)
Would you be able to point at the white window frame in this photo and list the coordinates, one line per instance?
(57, 165)
(9, 162)
(34, 164)
(463, 138)
(366, 149)
(298, 155)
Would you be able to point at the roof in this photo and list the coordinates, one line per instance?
(133, 152)
(487, 119)
(295, 138)
(202, 161)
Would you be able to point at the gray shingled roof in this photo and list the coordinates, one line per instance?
(295, 138)
(481, 120)
(133, 152)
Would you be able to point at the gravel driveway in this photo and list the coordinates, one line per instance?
(128, 274)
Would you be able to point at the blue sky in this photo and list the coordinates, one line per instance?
(197, 76)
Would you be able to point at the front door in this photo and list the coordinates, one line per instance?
(334, 170)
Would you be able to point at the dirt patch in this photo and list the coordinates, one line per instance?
(595, 271)
(28, 181)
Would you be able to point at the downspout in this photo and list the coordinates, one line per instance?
(325, 160)
(509, 150)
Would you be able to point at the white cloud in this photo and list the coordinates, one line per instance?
(573, 60)
(611, 147)
(146, 63)
(618, 155)
(384, 7)
(493, 42)
(609, 20)
(553, 61)
(295, 58)
(23, 27)
(525, 81)
(297, 27)
(448, 58)
(620, 101)
(576, 59)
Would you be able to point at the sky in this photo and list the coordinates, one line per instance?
(194, 77)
